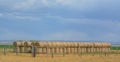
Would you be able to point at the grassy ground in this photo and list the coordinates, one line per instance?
(60, 58)
(114, 56)
(6, 46)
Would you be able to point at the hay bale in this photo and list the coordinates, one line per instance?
(90, 46)
(106, 46)
(57, 46)
(28, 46)
(19, 45)
(16, 44)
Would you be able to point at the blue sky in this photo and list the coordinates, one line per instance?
(60, 20)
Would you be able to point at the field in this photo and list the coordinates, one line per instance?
(60, 58)
(114, 56)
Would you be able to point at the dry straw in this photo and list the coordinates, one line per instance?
(60, 46)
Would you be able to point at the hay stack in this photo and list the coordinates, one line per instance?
(58, 45)
(85, 47)
(19, 45)
(106, 46)
(98, 46)
(40, 45)
(82, 47)
(90, 46)
(65, 47)
(49, 46)
(28, 46)
(54, 46)
(76, 45)
(68, 47)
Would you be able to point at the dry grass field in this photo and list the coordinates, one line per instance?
(11, 57)
(22, 57)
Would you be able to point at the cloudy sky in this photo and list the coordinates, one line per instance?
(60, 20)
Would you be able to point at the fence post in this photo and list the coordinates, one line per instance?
(16, 50)
(4, 49)
(51, 50)
(63, 51)
(33, 51)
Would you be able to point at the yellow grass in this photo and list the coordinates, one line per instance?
(11, 57)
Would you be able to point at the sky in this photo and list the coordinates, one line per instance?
(87, 20)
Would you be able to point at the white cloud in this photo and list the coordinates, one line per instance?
(111, 36)
(24, 4)
(67, 35)
(1, 14)
(88, 21)
(6, 34)
(83, 5)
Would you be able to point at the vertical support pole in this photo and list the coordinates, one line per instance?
(51, 51)
(33, 51)
(117, 50)
(81, 50)
(105, 51)
(46, 50)
(55, 49)
(93, 50)
(77, 50)
(74, 50)
(4, 49)
(70, 49)
(66, 50)
(63, 51)
(16, 50)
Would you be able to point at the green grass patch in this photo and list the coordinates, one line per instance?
(115, 48)
(6, 46)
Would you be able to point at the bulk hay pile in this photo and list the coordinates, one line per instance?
(60, 47)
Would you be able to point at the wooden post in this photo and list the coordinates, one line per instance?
(81, 50)
(77, 50)
(51, 52)
(4, 49)
(66, 50)
(33, 51)
(46, 50)
(55, 50)
(16, 50)
(63, 51)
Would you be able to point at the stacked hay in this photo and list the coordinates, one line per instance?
(19, 46)
(58, 47)
(69, 47)
(28, 46)
(16, 45)
(81, 47)
(76, 45)
(54, 46)
(85, 47)
(90, 46)
(62, 47)
(96, 46)
(106, 46)
(39, 46)
(49, 46)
